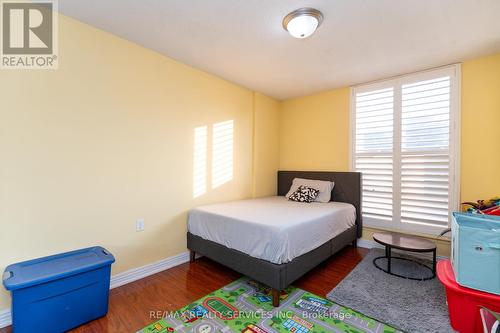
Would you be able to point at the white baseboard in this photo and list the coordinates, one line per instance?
(147, 270)
(5, 318)
(123, 278)
(369, 244)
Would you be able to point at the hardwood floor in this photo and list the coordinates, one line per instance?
(131, 306)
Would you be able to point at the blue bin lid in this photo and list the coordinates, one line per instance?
(477, 221)
(37, 271)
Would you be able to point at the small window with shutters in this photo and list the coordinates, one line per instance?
(405, 142)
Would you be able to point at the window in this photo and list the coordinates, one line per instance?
(404, 135)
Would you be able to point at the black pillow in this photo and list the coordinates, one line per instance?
(304, 194)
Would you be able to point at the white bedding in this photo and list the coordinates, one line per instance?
(272, 228)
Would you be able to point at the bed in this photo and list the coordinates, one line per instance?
(276, 241)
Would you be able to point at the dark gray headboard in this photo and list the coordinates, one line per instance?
(347, 187)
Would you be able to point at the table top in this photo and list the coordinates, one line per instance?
(404, 242)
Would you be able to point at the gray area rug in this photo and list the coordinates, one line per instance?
(412, 306)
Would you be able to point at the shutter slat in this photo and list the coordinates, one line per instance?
(425, 173)
(427, 139)
(420, 99)
(427, 92)
(374, 92)
(377, 195)
(424, 191)
(424, 179)
(375, 102)
(424, 198)
(426, 222)
(423, 216)
(375, 95)
(385, 108)
(376, 124)
(425, 204)
(426, 126)
(408, 187)
(425, 113)
(369, 183)
(427, 83)
(385, 189)
(426, 119)
(411, 209)
(369, 119)
(368, 177)
(365, 143)
(387, 218)
(371, 108)
(371, 160)
(378, 205)
(368, 199)
(374, 165)
(436, 130)
(427, 106)
(378, 212)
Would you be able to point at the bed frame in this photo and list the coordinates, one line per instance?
(279, 276)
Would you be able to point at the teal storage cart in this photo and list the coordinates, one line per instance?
(57, 293)
(475, 254)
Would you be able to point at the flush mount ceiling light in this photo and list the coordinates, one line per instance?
(303, 22)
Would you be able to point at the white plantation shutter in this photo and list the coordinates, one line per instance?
(405, 143)
(425, 142)
(374, 145)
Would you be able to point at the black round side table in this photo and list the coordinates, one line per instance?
(393, 240)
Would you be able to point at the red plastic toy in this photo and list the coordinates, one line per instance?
(464, 304)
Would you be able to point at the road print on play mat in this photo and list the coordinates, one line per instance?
(246, 306)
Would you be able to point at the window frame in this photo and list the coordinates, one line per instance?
(454, 71)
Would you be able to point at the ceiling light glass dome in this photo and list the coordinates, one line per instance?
(303, 22)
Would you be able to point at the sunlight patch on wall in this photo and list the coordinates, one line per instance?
(222, 153)
(200, 161)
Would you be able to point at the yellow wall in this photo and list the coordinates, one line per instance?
(480, 154)
(108, 138)
(314, 132)
(266, 145)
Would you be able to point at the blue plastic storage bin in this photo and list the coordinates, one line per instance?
(475, 254)
(57, 293)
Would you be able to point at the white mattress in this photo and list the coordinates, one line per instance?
(272, 228)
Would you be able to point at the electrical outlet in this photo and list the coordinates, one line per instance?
(139, 225)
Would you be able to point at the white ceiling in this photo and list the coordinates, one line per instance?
(359, 41)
